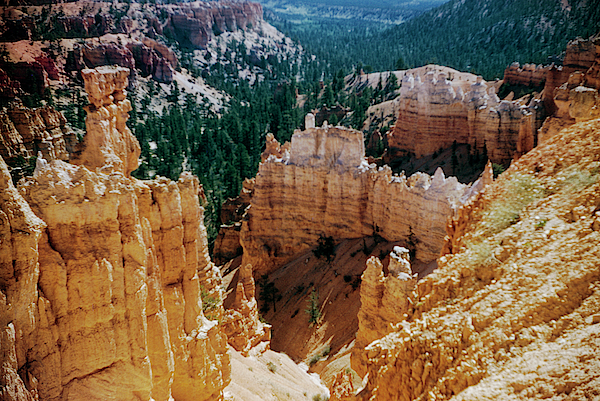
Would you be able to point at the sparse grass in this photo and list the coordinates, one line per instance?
(573, 179)
(317, 357)
(521, 191)
(479, 253)
(272, 367)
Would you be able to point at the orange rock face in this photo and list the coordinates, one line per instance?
(571, 91)
(384, 301)
(434, 112)
(324, 187)
(513, 311)
(242, 323)
(227, 244)
(108, 143)
(528, 75)
(106, 300)
(24, 132)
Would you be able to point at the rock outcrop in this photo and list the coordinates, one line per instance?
(384, 302)
(514, 311)
(323, 186)
(102, 291)
(25, 132)
(571, 91)
(241, 322)
(434, 112)
(527, 75)
(195, 24)
(108, 144)
(227, 244)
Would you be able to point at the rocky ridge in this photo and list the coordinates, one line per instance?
(436, 110)
(321, 185)
(25, 132)
(512, 311)
(102, 286)
(571, 91)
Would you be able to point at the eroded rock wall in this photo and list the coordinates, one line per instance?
(514, 310)
(323, 186)
(25, 132)
(196, 23)
(106, 302)
(527, 75)
(434, 112)
(568, 93)
(385, 300)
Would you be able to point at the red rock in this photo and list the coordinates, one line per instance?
(195, 24)
(108, 54)
(528, 75)
(8, 87)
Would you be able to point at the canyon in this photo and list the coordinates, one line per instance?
(388, 286)
(513, 308)
(321, 185)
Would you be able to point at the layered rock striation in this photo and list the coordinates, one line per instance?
(526, 75)
(385, 300)
(324, 187)
(434, 112)
(571, 91)
(102, 287)
(196, 23)
(26, 132)
(513, 310)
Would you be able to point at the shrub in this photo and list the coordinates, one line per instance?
(272, 367)
(210, 304)
(325, 247)
(497, 169)
(269, 294)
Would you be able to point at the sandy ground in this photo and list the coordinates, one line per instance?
(271, 376)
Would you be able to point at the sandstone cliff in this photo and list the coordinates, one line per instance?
(384, 301)
(323, 186)
(227, 244)
(571, 91)
(513, 312)
(435, 111)
(242, 323)
(102, 291)
(527, 75)
(25, 132)
(195, 24)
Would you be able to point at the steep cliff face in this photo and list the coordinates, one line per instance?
(527, 75)
(107, 301)
(195, 24)
(384, 301)
(513, 313)
(227, 244)
(434, 112)
(323, 186)
(562, 98)
(242, 323)
(26, 132)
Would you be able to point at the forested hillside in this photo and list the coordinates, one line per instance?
(480, 36)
